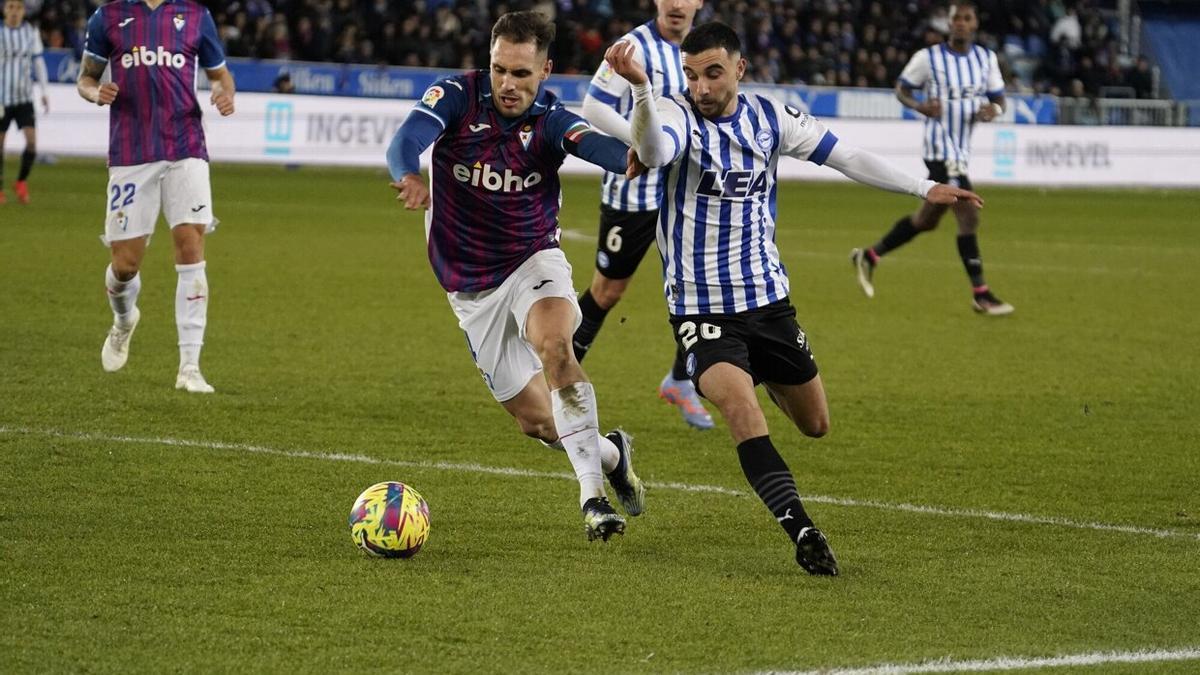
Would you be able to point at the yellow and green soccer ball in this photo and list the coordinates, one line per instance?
(390, 520)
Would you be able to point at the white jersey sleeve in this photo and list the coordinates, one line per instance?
(995, 79)
(803, 136)
(659, 128)
(918, 70)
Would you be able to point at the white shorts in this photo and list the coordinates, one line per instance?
(494, 320)
(137, 193)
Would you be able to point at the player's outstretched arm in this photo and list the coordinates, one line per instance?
(223, 89)
(871, 169)
(88, 84)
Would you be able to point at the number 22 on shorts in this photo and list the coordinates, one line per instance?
(128, 190)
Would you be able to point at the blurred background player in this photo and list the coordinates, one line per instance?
(492, 226)
(157, 158)
(727, 290)
(956, 78)
(629, 208)
(20, 61)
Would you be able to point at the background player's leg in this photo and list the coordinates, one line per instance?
(3, 199)
(984, 301)
(905, 230)
(122, 283)
(731, 389)
(27, 157)
(596, 301)
(191, 301)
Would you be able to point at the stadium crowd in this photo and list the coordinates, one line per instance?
(1047, 46)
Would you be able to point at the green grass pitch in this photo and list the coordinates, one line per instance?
(144, 529)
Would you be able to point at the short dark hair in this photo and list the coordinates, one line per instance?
(711, 35)
(527, 26)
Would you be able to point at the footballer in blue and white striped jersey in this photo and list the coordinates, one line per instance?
(727, 290)
(717, 222)
(963, 86)
(964, 82)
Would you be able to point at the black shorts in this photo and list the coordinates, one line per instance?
(21, 113)
(766, 342)
(624, 238)
(939, 172)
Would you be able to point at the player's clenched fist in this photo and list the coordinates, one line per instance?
(412, 191)
(620, 59)
(223, 103)
(107, 93)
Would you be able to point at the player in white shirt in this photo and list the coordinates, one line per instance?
(963, 85)
(726, 288)
(20, 61)
(629, 208)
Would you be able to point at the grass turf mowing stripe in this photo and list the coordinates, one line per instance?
(1018, 663)
(683, 487)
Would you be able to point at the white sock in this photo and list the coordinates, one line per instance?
(578, 430)
(191, 311)
(122, 295)
(609, 454)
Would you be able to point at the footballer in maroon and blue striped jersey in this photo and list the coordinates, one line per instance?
(157, 159)
(153, 54)
(492, 227)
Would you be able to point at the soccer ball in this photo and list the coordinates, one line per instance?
(390, 520)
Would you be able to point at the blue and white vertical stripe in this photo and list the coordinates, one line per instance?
(962, 82)
(664, 66)
(716, 228)
(18, 47)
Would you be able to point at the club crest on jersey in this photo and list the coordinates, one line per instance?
(526, 135)
(732, 184)
(764, 138)
(433, 95)
(179, 21)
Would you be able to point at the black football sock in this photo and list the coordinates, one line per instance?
(900, 234)
(679, 368)
(27, 158)
(593, 319)
(968, 250)
(774, 484)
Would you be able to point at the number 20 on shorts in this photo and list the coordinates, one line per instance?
(687, 333)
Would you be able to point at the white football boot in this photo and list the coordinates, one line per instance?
(116, 346)
(190, 379)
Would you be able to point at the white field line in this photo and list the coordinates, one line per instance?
(469, 467)
(1017, 663)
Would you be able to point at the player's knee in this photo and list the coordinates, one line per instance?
(555, 351)
(540, 429)
(925, 224)
(607, 293)
(815, 426)
(741, 414)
